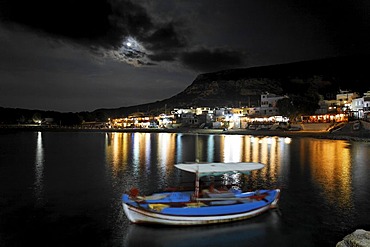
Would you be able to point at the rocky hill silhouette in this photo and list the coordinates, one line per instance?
(243, 86)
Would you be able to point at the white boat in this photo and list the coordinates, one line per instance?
(201, 207)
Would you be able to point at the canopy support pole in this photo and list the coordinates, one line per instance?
(196, 193)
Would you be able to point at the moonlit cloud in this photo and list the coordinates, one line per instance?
(131, 52)
(107, 27)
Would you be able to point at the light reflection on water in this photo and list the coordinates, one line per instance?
(331, 169)
(327, 165)
(69, 185)
(39, 170)
(329, 162)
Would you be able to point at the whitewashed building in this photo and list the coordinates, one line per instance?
(269, 104)
(360, 107)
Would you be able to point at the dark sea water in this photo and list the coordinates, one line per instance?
(65, 188)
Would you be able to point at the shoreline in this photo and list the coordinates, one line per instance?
(349, 135)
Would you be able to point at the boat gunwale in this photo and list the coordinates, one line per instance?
(142, 209)
(138, 208)
(156, 219)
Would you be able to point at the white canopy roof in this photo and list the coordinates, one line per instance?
(219, 168)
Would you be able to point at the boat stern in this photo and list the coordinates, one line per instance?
(274, 203)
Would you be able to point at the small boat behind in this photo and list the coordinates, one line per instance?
(209, 206)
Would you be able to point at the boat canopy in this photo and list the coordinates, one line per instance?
(214, 169)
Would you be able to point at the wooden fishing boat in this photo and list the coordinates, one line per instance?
(200, 207)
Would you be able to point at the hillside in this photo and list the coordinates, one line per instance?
(234, 88)
(243, 86)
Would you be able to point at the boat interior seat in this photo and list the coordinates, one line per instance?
(217, 194)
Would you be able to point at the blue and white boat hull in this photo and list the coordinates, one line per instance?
(141, 213)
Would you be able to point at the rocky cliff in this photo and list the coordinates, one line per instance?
(359, 238)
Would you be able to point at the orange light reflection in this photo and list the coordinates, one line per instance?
(331, 162)
(117, 149)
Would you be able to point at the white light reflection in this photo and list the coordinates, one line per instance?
(179, 148)
(39, 169)
(270, 140)
(148, 145)
(166, 149)
(164, 141)
(252, 139)
(255, 149)
(211, 148)
(135, 140)
(166, 153)
(232, 148)
(287, 140)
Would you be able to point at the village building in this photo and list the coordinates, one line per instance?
(346, 106)
(344, 99)
(361, 107)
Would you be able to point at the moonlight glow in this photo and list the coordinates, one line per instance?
(132, 52)
(132, 44)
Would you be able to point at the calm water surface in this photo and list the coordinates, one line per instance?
(64, 188)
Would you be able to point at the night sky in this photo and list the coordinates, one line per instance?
(82, 55)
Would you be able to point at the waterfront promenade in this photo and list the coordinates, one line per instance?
(347, 132)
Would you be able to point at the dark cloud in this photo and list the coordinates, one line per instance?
(204, 60)
(160, 40)
(129, 19)
(165, 39)
(106, 27)
(79, 20)
(342, 24)
(102, 26)
(169, 31)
